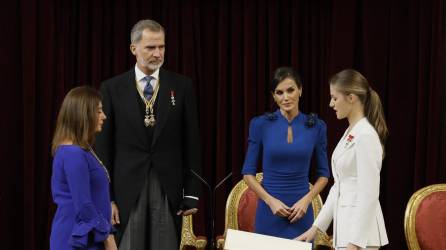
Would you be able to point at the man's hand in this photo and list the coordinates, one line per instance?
(115, 214)
(187, 212)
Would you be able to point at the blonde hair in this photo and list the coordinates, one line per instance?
(350, 81)
(77, 118)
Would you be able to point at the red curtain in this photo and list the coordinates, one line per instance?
(230, 49)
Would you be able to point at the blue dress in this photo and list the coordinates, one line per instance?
(80, 188)
(285, 167)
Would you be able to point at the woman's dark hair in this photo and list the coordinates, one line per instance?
(281, 74)
(77, 119)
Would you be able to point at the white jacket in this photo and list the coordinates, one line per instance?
(353, 201)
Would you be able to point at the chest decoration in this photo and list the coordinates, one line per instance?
(172, 97)
(349, 140)
(149, 117)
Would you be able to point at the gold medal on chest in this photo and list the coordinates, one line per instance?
(149, 117)
(149, 120)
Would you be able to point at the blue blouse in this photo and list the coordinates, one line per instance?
(286, 166)
(80, 188)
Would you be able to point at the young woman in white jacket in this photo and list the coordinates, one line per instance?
(353, 201)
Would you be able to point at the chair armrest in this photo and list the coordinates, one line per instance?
(220, 241)
(323, 239)
(188, 238)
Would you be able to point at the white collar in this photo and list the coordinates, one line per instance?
(139, 75)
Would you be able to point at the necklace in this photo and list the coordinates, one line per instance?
(102, 164)
(149, 118)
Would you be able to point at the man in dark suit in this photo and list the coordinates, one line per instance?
(150, 145)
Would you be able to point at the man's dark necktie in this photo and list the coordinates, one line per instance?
(148, 89)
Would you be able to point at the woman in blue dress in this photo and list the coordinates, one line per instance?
(287, 140)
(80, 183)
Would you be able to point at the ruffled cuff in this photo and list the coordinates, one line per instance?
(89, 222)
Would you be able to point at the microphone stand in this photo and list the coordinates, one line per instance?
(211, 209)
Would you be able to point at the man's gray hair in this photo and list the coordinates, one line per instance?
(139, 27)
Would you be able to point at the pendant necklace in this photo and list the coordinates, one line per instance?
(149, 117)
(100, 162)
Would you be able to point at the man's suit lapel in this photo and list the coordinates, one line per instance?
(163, 105)
(132, 101)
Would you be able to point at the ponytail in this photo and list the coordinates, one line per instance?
(350, 81)
(374, 112)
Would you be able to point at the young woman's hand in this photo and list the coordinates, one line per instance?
(350, 246)
(309, 235)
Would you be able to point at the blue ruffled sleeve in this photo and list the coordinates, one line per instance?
(254, 147)
(88, 219)
(322, 169)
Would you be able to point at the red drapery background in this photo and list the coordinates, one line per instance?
(230, 49)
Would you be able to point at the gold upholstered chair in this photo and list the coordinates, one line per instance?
(188, 239)
(425, 218)
(241, 208)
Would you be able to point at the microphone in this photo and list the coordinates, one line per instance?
(200, 178)
(211, 208)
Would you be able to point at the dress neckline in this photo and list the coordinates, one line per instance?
(297, 117)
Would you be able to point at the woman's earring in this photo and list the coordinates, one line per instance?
(351, 98)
